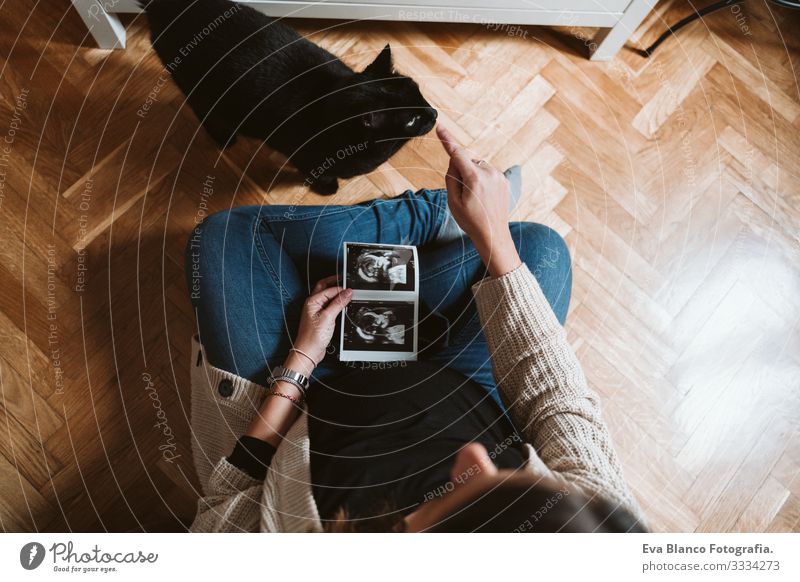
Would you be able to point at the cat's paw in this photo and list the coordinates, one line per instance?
(325, 186)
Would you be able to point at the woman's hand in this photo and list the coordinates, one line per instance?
(478, 196)
(318, 320)
(276, 415)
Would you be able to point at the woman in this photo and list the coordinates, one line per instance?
(494, 429)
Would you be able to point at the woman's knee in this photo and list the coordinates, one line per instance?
(207, 244)
(546, 254)
(541, 247)
(204, 235)
(228, 227)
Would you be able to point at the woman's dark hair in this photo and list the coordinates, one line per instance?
(511, 508)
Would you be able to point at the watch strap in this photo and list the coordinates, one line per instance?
(293, 377)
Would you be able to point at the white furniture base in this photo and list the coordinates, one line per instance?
(619, 17)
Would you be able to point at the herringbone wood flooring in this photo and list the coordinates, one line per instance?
(674, 180)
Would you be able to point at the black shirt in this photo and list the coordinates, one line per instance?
(392, 435)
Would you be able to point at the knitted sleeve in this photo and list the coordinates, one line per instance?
(233, 503)
(544, 388)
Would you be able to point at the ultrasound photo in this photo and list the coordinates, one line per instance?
(380, 268)
(379, 326)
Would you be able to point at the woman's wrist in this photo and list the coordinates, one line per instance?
(276, 414)
(499, 253)
(283, 400)
(289, 390)
(299, 363)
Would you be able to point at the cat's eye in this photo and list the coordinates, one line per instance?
(413, 121)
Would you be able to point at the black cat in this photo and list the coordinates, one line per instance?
(244, 73)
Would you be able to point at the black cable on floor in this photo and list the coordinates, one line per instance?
(688, 20)
(702, 12)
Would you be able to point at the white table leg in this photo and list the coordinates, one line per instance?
(611, 40)
(105, 27)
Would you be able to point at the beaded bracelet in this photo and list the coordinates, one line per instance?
(293, 382)
(297, 401)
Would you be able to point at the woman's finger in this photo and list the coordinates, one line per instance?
(325, 283)
(448, 141)
(320, 299)
(453, 182)
(451, 145)
(457, 153)
(337, 304)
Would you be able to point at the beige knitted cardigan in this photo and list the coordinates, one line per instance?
(539, 379)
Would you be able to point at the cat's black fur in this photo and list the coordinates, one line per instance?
(244, 73)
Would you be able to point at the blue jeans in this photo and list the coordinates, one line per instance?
(250, 269)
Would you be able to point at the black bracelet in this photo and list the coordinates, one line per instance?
(252, 455)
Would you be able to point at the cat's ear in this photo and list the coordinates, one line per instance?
(382, 65)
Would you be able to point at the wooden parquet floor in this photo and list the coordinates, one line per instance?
(676, 182)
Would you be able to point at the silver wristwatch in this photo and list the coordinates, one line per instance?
(282, 373)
